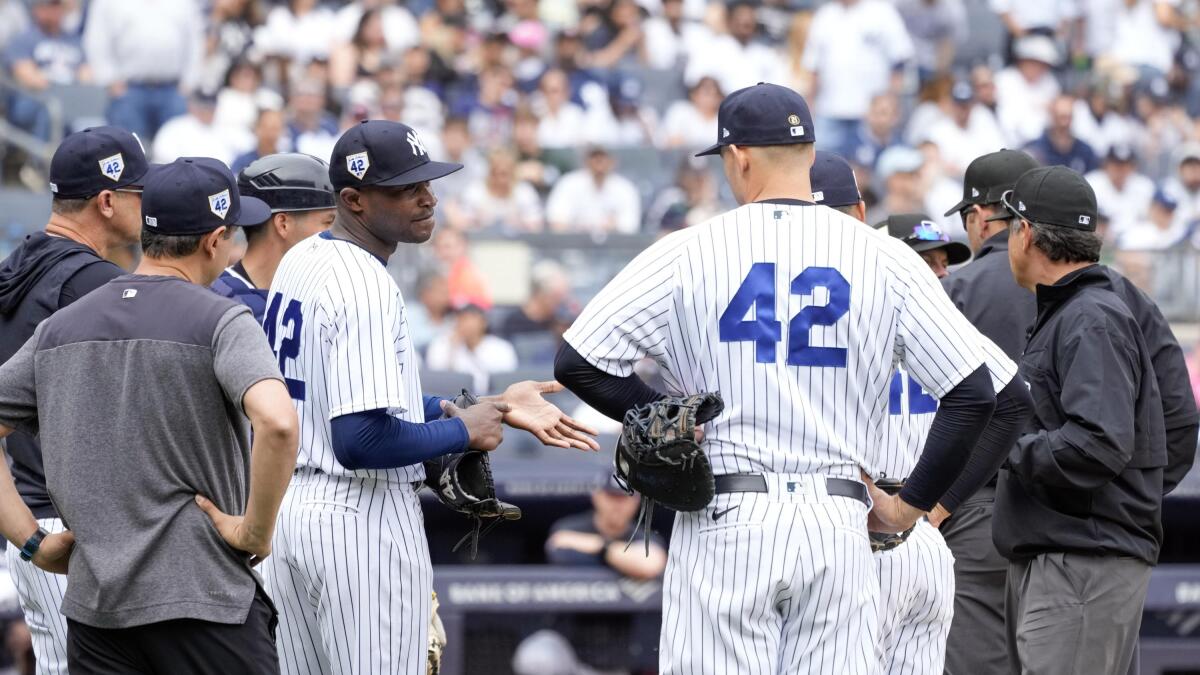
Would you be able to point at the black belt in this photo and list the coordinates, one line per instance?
(755, 482)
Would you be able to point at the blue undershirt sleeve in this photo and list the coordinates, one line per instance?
(374, 439)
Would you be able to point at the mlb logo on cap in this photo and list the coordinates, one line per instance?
(357, 164)
(113, 167)
(1085, 220)
(818, 196)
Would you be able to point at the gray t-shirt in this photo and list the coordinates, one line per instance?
(137, 391)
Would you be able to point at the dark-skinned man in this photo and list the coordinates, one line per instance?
(336, 319)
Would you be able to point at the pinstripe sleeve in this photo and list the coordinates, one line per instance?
(631, 317)
(363, 370)
(934, 341)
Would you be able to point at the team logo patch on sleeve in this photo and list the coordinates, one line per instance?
(219, 203)
(113, 166)
(357, 164)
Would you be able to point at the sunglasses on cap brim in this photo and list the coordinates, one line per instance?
(926, 231)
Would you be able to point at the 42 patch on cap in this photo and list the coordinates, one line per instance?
(112, 167)
(219, 203)
(357, 164)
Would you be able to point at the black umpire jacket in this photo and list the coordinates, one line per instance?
(986, 293)
(1088, 477)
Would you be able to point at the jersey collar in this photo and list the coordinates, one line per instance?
(786, 201)
(329, 235)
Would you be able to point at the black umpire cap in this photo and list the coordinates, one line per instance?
(196, 195)
(384, 153)
(288, 181)
(765, 114)
(833, 181)
(1052, 195)
(97, 159)
(989, 176)
(922, 234)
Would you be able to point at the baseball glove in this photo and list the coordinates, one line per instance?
(463, 482)
(658, 455)
(883, 541)
(437, 639)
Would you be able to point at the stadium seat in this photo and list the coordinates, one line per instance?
(83, 105)
(23, 212)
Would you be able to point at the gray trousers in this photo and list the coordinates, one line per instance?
(1069, 613)
(976, 644)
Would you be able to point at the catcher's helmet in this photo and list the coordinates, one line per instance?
(288, 181)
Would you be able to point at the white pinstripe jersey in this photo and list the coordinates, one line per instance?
(797, 315)
(336, 320)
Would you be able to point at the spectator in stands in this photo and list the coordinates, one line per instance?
(983, 80)
(1059, 145)
(13, 21)
(877, 132)
(630, 123)
(622, 37)
(148, 59)
(268, 138)
(397, 24)
(500, 202)
(197, 134)
(363, 55)
(313, 130)
(599, 537)
(457, 147)
(467, 286)
(690, 124)
(937, 28)
(1159, 231)
(898, 172)
(535, 165)
(297, 31)
(243, 96)
(1096, 122)
(1184, 187)
(691, 200)
(857, 49)
(595, 199)
(672, 38)
(966, 131)
(228, 39)
(39, 58)
(938, 188)
(489, 111)
(1026, 89)
(431, 315)
(469, 349)
(1122, 193)
(1048, 18)
(562, 122)
(1146, 35)
(570, 57)
(545, 310)
(737, 59)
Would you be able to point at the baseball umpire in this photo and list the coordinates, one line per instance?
(297, 188)
(987, 295)
(1079, 503)
(143, 388)
(95, 177)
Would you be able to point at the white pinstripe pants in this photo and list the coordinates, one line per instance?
(41, 597)
(916, 594)
(351, 578)
(783, 583)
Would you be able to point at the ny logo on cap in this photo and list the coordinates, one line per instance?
(219, 203)
(113, 167)
(357, 164)
(1085, 220)
(818, 196)
(418, 148)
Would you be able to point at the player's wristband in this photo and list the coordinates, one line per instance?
(33, 544)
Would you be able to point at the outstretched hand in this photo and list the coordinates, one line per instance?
(55, 552)
(533, 413)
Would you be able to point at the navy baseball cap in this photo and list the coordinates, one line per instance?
(385, 153)
(833, 181)
(765, 114)
(97, 159)
(196, 195)
(922, 234)
(1052, 195)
